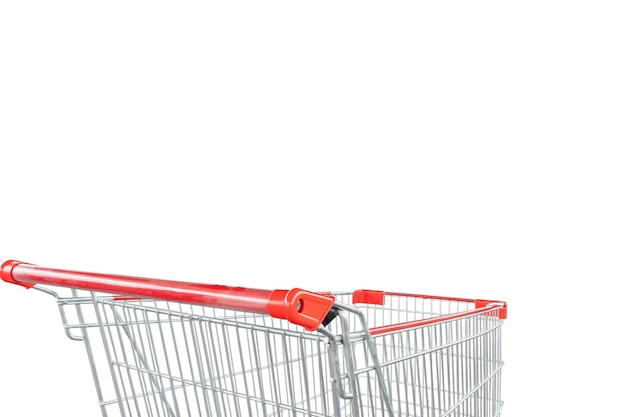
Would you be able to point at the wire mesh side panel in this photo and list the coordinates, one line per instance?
(169, 359)
(450, 368)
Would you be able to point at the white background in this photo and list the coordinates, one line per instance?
(471, 149)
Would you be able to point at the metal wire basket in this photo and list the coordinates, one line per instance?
(170, 348)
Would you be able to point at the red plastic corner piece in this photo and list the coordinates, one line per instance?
(308, 309)
(502, 313)
(368, 297)
(6, 273)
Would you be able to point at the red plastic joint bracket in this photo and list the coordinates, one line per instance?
(301, 307)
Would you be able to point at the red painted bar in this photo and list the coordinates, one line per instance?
(296, 305)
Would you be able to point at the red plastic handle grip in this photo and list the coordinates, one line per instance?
(298, 306)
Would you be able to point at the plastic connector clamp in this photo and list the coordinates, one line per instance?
(308, 309)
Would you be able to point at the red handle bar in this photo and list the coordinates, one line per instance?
(300, 307)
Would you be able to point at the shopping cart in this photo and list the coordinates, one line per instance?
(168, 348)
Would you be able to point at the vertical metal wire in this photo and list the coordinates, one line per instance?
(188, 335)
(200, 366)
(169, 354)
(88, 348)
(103, 332)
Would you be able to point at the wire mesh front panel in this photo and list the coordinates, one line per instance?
(169, 359)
